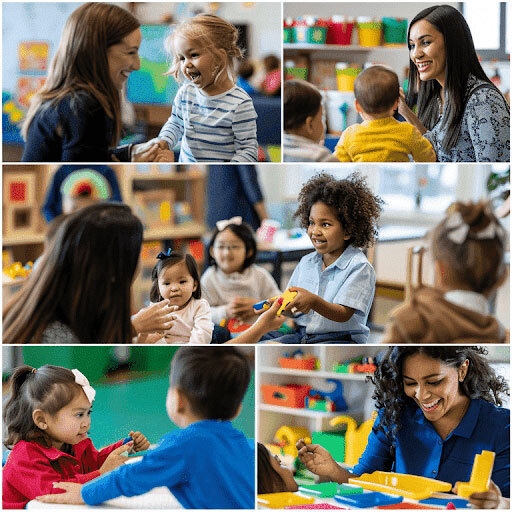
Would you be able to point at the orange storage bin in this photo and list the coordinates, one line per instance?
(291, 395)
(297, 364)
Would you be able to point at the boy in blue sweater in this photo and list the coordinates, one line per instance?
(207, 463)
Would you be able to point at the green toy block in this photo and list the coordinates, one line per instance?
(333, 442)
(323, 490)
(348, 489)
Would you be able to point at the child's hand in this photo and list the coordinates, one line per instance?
(140, 443)
(164, 155)
(72, 496)
(115, 459)
(304, 301)
(149, 338)
(241, 308)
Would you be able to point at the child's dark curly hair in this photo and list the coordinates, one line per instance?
(481, 380)
(356, 207)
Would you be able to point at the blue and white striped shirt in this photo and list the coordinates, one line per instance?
(219, 128)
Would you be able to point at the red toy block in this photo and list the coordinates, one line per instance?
(291, 395)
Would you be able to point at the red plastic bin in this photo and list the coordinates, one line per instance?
(339, 33)
(291, 395)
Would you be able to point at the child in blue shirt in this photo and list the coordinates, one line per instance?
(336, 283)
(205, 464)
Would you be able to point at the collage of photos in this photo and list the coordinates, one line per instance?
(186, 187)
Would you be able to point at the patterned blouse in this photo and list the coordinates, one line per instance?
(485, 129)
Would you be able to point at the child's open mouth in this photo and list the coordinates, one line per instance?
(194, 77)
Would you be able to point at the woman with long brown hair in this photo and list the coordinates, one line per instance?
(76, 116)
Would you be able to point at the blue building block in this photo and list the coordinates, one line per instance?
(442, 502)
(368, 499)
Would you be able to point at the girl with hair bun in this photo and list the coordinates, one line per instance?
(213, 118)
(47, 418)
(468, 249)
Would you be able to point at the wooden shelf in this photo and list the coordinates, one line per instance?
(34, 239)
(191, 175)
(186, 230)
(307, 413)
(318, 374)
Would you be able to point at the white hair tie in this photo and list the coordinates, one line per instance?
(459, 230)
(81, 379)
(223, 224)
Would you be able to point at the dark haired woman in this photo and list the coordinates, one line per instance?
(76, 116)
(438, 408)
(81, 290)
(460, 111)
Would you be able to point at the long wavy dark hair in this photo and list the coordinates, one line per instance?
(461, 61)
(481, 380)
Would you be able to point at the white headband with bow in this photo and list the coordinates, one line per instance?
(81, 379)
(223, 224)
(459, 229)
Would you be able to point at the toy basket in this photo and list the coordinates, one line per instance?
(395, 31)
(310, 30)
(291, 395)
(297, 364)
(339, 32)
(346, 77)
(288, 35)
(370, 33)
(292, 73)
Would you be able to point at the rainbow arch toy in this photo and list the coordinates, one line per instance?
(86, 182)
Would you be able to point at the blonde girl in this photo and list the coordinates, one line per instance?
(213, 118)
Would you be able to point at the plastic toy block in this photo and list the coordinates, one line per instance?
(287, 297)
(368, 499)
(316, 506)
(333, 442)
(263, 304)
(127, 439)
(480, 475)
(407, 506)
(409, 486)
(349, 489)
(283, 499)
(323, 490)
(289, 436)
(443, 502)
(356, 438)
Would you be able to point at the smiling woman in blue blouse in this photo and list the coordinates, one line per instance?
(438, 407)
(460, 111)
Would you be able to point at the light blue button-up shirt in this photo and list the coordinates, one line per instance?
(349, 281)
(421, 451)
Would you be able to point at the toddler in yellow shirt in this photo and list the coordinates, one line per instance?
(380, 137)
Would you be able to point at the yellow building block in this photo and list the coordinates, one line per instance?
(283, 499)
(356, 438)
(409, 486)
(480, 475)
(288, 436)
(287, 296)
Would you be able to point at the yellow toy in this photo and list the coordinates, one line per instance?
(409, 486)
(480, 475)
(288, 437)
(356, 438)
(287, 297)
(283, 499)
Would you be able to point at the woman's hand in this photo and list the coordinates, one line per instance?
(267, 321)
(164, 155)
(317, 459)
(72, 496)
(157, 317)
(115, 459)
(140, 442)
(408, 114)
(489, 499)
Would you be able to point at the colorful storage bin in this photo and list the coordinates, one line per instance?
(395, 31)
(370, 32)
(291, 395)
(292, 72)
(339, 30)
(310, 30)
(297, 364)
(288, 31)
(346, 76)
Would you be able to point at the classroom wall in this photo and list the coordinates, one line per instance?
(45, 21)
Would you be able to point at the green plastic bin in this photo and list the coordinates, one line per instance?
(395, 30)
